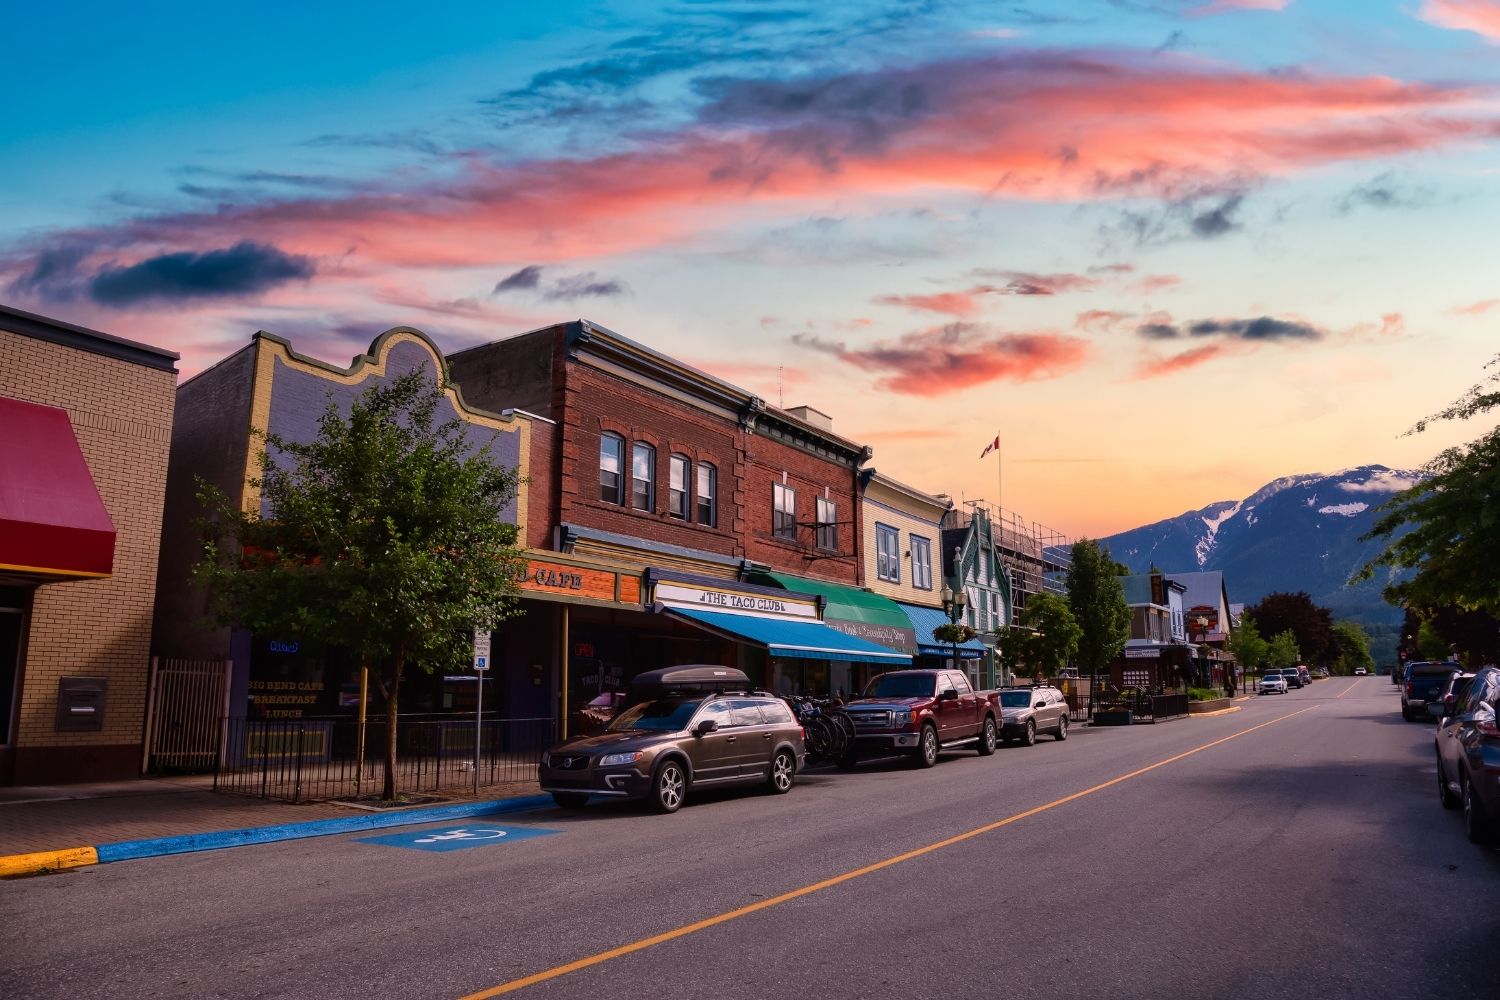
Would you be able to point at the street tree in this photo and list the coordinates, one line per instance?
(1097, 599)
(1047, 639)
(1283, 651)
(1354, 648)
(1443, 534)
(384, 536)
(1311, 623)
(1246, 644)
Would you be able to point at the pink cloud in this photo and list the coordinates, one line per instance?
(1153, 283)
(1476, 308)
(958, 304)
(1100, 320)
(948, 359)
(1157, 367)
(1479, 16)
(1225, 6)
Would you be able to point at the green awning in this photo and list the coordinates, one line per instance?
(851, 610)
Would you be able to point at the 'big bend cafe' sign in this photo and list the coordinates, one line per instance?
(556, 580)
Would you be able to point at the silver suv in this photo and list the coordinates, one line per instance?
(1026, 711)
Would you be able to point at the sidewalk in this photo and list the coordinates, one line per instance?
(166, 815)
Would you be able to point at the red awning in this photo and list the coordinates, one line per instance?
(52, 522)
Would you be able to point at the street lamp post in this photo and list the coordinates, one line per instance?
(953, 607)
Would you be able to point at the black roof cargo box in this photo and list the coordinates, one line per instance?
(698, 678)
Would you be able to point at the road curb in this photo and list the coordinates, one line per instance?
(41, 862)
(1210, 715)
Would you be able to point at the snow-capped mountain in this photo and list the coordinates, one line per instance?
(1294, 533)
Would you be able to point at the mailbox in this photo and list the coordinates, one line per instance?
(80, 704)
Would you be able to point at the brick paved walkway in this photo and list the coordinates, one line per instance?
(63, 816)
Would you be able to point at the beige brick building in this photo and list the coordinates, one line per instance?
(78, 545)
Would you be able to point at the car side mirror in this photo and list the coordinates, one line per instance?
(705, 727)
(1037, 704)
(1450, 701)
(948, 695)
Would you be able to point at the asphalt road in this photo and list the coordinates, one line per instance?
(1292, 849)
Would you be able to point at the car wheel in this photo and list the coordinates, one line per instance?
(669, 787)
(1445, 794)
(783, 772)
(1474, 820)
(570, 800)
(927, 749)
(987, 738)
(1062, 729)
(1029, 737)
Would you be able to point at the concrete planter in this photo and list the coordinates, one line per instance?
(1122, 718)
(1201, 707)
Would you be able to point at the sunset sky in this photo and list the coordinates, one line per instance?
(1168, 249)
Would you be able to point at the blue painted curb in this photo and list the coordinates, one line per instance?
(128, 850)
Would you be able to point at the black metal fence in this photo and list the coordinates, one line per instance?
(296, 760)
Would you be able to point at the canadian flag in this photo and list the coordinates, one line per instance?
(992, 446)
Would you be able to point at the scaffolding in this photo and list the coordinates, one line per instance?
(1038, 557)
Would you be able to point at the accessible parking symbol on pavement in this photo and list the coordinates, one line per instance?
(456, 839)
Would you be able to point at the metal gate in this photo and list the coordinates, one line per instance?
(185, 708)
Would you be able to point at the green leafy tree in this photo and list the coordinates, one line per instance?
(1445, 531)
(1283, 651)
(383, 536)
(1430, 643)
(1246, 644)
(1354, 648)
(1311, 623)
(1097, 599)
(1047, 639)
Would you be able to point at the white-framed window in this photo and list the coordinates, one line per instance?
(677, 486)
(708, 495)
(643, 477)
(783, 511)
(828, 524)
(887, 553)
(921, 562)
(611, 464)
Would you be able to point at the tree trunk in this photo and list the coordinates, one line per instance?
(388, 789)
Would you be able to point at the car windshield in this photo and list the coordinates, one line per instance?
(1015, 699)
(666, 715)
(901, 686)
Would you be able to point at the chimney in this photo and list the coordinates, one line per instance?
(816, 418)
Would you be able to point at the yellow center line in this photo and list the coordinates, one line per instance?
(828, 883)
(1351, 687)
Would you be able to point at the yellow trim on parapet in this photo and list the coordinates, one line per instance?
(40, 862)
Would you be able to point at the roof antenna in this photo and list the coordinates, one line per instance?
(780, 396)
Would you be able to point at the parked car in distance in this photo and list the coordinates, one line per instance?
(1360, 671)
(1273, 684)
(1424, 682)
(1293, 677)
(1026, 711)
(920, 712)
(1305, 674)
(687, 727)
(1468, 756)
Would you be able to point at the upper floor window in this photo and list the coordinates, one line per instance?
(887, 553)
(677, 487)
(708, 495)
(611, 463)
(828, 524)
(921, 562)
(643, 477)
(783, 511)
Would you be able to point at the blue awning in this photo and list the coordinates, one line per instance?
(924, 620)
(803, 640)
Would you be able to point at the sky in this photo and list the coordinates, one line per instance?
(1166, 250)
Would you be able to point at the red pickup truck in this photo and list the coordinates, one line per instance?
(920, 712)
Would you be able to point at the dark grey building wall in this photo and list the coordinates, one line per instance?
(510, 374)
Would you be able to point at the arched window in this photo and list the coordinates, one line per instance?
(708, 495)
(677, 486)
(611, 465)
(643, 477)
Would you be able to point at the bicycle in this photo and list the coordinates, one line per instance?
(828, 730)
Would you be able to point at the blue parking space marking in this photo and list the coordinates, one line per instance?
(457, 838)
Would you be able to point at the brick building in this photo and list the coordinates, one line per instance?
(85, 424)
(740, 519)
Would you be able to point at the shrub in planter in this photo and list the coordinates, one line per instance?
(1204, 694)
